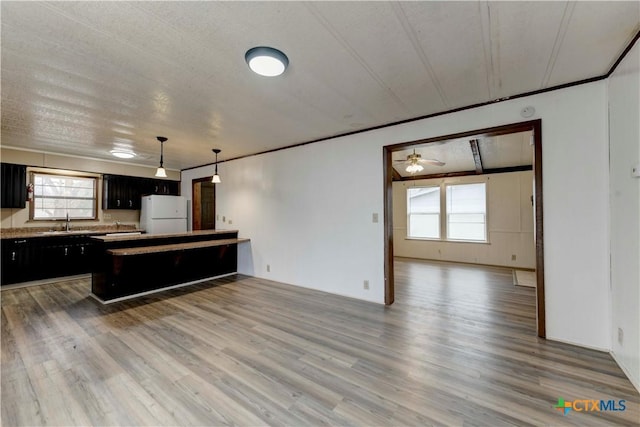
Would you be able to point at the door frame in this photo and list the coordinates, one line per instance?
(534, 126)
(193, 199)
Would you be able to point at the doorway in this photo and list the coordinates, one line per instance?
(535, 127)
(203, 204)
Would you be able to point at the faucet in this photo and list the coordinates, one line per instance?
(67, 226)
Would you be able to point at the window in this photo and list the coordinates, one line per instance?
(423, 212)
(464, 207)
(55, 196)
(466, 212)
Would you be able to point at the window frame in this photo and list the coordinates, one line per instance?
(444, 213)
(64, 174)
(446, 219)
(439, 187)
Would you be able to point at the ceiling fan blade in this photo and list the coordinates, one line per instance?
(434, 162)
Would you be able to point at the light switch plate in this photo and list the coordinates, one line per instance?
(374, 217)
(635, 171)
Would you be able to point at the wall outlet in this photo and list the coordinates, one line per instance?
(374, 217)
(620, 336)
(218, 217)
(513, 257)
(268, 268)
(230, 222)
(224, 218)
(365, 285)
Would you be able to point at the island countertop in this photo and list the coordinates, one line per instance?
(174, 247)
(127, 237)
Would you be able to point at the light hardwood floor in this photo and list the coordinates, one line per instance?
(458, 347)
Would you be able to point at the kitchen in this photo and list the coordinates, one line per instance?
(65, 237)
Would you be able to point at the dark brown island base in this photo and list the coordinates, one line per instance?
(134, 265)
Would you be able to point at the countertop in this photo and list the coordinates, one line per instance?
(155, 236)
(76, 230)
(174, 247)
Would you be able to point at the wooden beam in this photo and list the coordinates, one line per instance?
(466, 173)
(509, 169)
(475, 149)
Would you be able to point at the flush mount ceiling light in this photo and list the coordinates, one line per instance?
(266, 61)
(216, 177)
(160, 172)
(121, 154)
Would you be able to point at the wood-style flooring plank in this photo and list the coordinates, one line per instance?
(458, 347)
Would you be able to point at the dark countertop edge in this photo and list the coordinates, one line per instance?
(163, 235)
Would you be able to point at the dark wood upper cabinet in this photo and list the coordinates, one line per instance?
(124, 192)
(14, 186)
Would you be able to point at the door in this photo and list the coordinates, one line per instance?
(203, 204)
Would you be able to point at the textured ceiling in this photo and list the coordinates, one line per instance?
(83, 78)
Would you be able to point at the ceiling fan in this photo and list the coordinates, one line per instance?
(414, 161)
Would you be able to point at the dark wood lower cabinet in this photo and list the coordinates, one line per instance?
(39, 258)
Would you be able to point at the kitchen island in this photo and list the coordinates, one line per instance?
(133, 265)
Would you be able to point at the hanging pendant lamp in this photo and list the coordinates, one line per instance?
(160, 172)
(216, 177)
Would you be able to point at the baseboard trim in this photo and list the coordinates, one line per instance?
(154, 291)
(633, 381)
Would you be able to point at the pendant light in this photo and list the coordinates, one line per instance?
(160, 172)
(216, 177)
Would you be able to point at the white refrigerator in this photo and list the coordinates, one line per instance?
(163, 214)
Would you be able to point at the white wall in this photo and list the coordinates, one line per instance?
(509, 223)
(308, 209)
(624, 140)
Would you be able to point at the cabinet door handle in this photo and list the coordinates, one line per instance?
(81, 250)
(66, 251)
(118, 202)
(13, 256)
(130, 203)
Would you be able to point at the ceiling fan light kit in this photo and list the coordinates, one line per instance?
(413, 162)
(414, 167)
(266, 61)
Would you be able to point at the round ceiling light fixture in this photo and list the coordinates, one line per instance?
(121, 154)
(266, 61)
